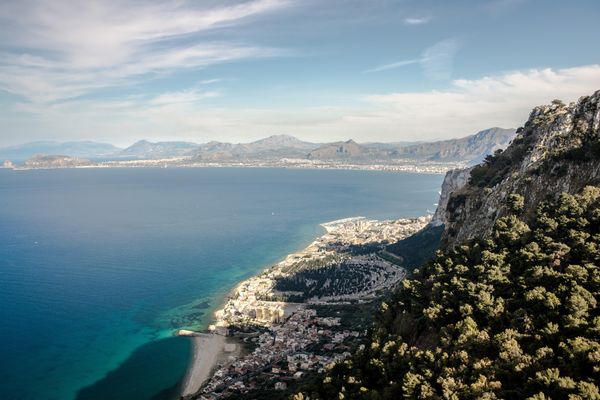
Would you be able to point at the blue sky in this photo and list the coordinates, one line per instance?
(322, 70)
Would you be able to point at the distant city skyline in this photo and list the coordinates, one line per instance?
(238, 71)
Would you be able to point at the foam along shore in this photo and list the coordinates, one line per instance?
(207, 349)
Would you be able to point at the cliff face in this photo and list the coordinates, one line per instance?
(454, 180)
(558, 150)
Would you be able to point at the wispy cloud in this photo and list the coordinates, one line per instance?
(436, 60)
(182, 96)
(210, 81)
(417, 20)
(65, 48)
(395, 65)
(468, 106)
(473, 104)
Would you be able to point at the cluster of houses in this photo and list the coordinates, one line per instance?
(281, 355)
(362, 231)
(247, 307)
(296, 340)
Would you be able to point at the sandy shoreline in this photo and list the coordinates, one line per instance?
(241, 306)
(207, 348)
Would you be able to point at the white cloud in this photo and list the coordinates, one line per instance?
(183, 96)
(67, 48)
(417, 20)
(470, 105)
(210, 81)
(467, 106)
(394, 65)
(436, 60)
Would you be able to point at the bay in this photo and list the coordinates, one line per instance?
(98, 267)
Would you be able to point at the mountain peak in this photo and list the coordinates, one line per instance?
(145, 149)
(347, 149)
(280, 140)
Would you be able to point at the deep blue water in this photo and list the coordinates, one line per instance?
(99, 266)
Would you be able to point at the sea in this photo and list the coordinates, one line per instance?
(98, 267)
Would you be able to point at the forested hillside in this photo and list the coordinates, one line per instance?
(514, 316)
(508, 309)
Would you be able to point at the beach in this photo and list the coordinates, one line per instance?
(293, 326)
(207, 349)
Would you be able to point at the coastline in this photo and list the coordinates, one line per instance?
(206, 351)
(209, 348)
(208, 272)
(408, 167)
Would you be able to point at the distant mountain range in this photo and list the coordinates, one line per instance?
(85, 149)
(277, 146)
(471, 149)
(146, 149)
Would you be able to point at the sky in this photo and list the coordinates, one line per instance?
(118, 71)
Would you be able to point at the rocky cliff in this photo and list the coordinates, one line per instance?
(557, 150)
(454, 180)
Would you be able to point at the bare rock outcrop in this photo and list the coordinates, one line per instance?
(557, 150)
(454, 180)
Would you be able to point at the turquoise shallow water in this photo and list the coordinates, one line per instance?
(99, 266)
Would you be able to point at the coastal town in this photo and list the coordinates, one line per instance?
(290, 338)
(399, 165)
(255, 299)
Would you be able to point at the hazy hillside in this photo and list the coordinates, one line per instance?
(473, 148)
(84, 149)
(470, 149)
(146, 149)
(343, 150)
(276, 146)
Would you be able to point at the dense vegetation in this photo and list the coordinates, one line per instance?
(513, 316)
(335, 279)
(418, 248)
(495, 167)
(357, 316)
